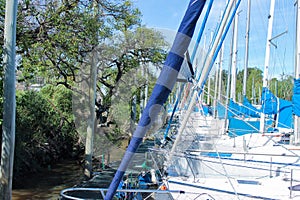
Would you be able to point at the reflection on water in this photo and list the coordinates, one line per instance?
(49, 183)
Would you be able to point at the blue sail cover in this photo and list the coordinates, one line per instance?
(249, 109)
(269, 102)
(234, 109)
(296, 97)
(221, 110)
(162, 89)
(243, 119)
(285, 119)
(246, 110)
(238, 127)
(274, 105)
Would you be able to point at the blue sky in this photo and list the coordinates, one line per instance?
(167, 14)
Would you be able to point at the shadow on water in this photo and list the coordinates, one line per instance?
(48, 183)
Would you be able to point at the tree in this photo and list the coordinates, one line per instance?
(55, 37)
(54, 42)
(282, 88)
(127, 51)
(45, 130)
(254, 83)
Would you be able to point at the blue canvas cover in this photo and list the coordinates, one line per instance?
(249, 110)
(296, 97)
(246, 110)
(238, 127)
(285, 119)
(221, 110)
(234, 109)
(162, 88)
(269, 102)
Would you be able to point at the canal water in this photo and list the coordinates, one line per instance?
(48, 183)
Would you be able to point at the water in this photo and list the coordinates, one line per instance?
(48, 183)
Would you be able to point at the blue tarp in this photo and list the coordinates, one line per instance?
(249, 109)
(285, 119)
(239, 127)
(274, 105)
(271, 105)
(221, 110)
(246, 110)
(248, 121)
(204, 110)
(296, 97)
(269, 102)
(234, 109)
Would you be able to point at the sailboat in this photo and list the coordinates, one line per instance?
(262, 165)
(251, 166)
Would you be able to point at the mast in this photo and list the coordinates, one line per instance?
(191, 61)
(9, 100)
(297, 72)
(247, 49)
(215, 91)
(267, 61)
(201, 30)
(209, 78)
(208, 92)
(162, 88)
(234, 58)
(207, 67)
(220, 73)
(228, 82)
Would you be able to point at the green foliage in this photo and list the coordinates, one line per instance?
(128, 51)
(127, 99)
(44, 133)
(254, 84)
(56, 38)
(53, 39)
(283, 88)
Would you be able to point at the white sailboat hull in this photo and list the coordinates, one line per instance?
(267, 188)
(252, 166)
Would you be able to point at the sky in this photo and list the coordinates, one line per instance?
(167, 15)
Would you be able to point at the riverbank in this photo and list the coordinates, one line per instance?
(48, 183)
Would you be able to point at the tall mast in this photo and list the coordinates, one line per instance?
(228, 16)
(220, 73)
(234, 58)
(297, 71)
(9, 100)
(247, 49)
(162, 88)
(208, 92)
(215, 90)
(267, 60)
(209, 81)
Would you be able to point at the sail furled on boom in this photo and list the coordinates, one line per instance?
(285, 112)
(246, 109)
(282, 109)
(162, 88)
(296, 97)
(269, 102)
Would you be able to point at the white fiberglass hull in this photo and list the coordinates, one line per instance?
(275, 188)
